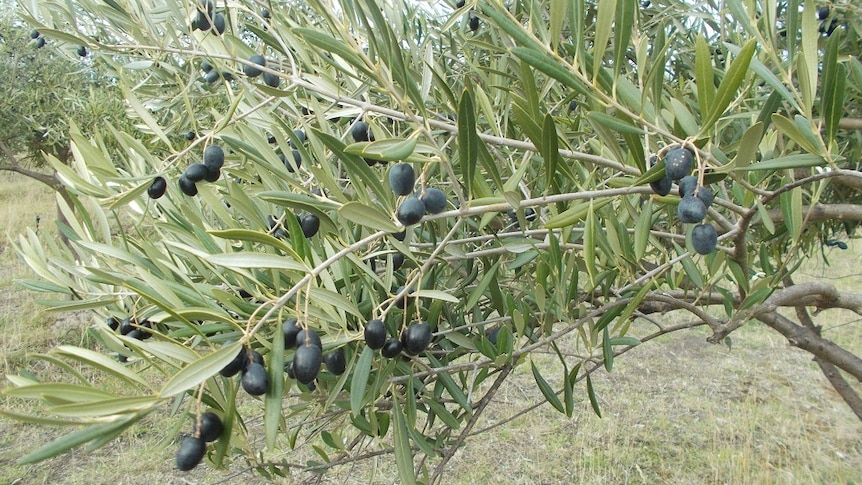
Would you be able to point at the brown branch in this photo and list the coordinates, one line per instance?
(821, 212)
(815, 293)
(47, 179)
(832, 374)
(850, 124)
(808, 339)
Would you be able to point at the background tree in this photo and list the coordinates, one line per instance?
(47, 90)
(566, 221)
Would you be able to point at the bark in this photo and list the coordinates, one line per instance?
(832, 374)
(50, 180)
(850, 123)
(808, 339)
(822, 212)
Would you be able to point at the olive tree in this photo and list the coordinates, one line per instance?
(392, 205)
(47, 91)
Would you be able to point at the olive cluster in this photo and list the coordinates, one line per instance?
(695, 199)
(308, 356)
(414, 339)
(209, 170)
(207, 19)
(130, 327)
(206, 428)
(402, 180)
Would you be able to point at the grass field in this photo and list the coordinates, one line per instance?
(676, 411)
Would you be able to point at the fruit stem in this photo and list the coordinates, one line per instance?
(198, 409)
(308, 278)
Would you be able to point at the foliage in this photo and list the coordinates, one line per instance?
(538, 125)
(45, 90)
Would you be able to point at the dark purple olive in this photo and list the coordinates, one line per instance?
(335, 361)
(255, 380)
(237, 364)
(375, 334)
(290, 329)
(391, 348)
(416, 338)
(306, 363)
(188, 187)
(191, 453)
(309, 337)
(211, 426)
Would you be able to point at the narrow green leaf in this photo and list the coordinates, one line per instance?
(683, 117)
(590, 244)
(551, 67)
(748, 146)
(608, 317)
(546, 389)
(625, 341)
(557, 18)
(437, 295)
(792, 25)
(607, 351)
(393, 149)
(836, 106)
(828, 79)
(594, 402)
(764, 217)
(729, 85)
(791, 161)
(106, 407)
(568, 393)
(604, 20)
(102, 362)
(642, 229)
(42, 421)
(623, 25)
(337, 301)
(450, 385)
(200, 370)
(326, 43)
(359, 381)
(689, 267)
(124, 198)
(502, 18)
(401, 443)
(255, 236)
(145, 116)
(703, 74)
(808, 58)
(574, 214)
(550, 148)
(468, 140)
(367, 216)
(480, 288)
(255, 261)
(272, 416)
(526, 119)
(68, 392)
(792, 130)
(441, 412)
(625, 316)
(613, 123)
(796, 213)
(77, 438)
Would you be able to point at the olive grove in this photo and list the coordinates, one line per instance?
(361, 216)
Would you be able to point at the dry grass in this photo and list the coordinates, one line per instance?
(676, 410)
